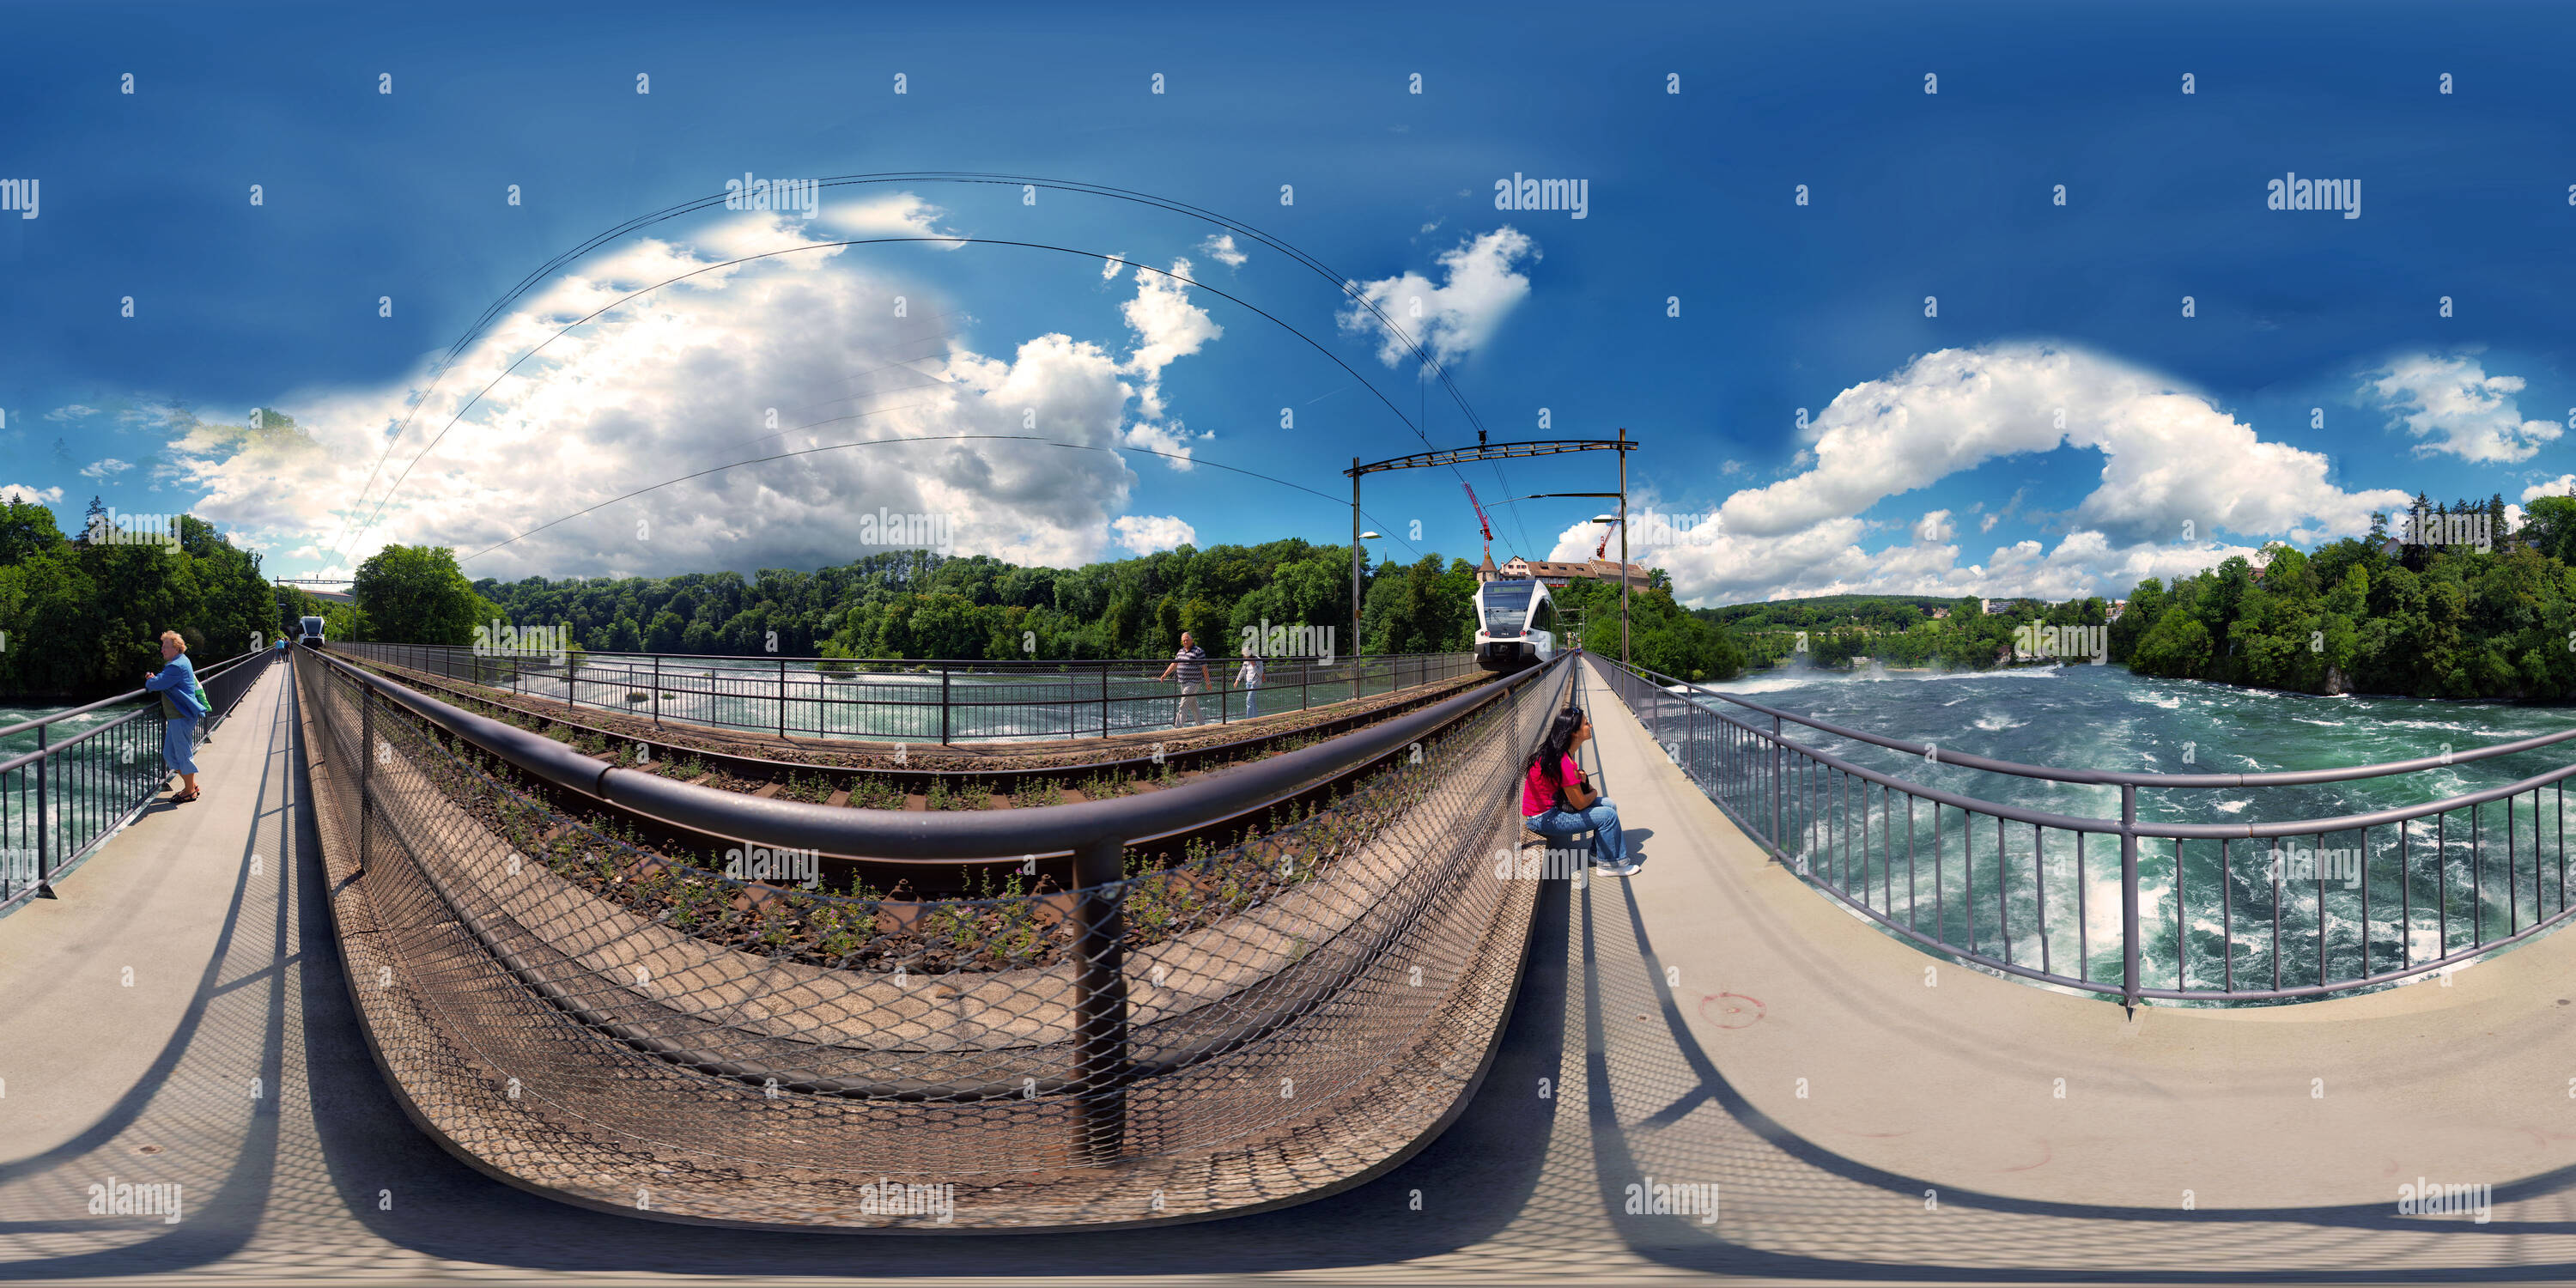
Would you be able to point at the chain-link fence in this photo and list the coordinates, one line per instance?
(1246, 1026)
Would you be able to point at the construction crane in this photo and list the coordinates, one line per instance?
(1481, 524)
(1602, 551)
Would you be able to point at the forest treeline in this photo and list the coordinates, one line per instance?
(2381, 614)
(918, 604)
(83, 619)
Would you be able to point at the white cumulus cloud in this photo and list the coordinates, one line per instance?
(1453, 317)
(896, 214)
(23, 494)
(2170, 458)
(106, 469)
(796, 356)
(1221, 248)
(1168, 327)
(1146, 534)
(2457, 408)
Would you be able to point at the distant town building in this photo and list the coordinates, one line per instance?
(1557, 572)
(2118, 606)
(1940, 613)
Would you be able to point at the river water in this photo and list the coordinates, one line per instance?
(87, 787)
(2466, 877)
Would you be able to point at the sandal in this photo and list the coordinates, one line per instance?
(183, 797)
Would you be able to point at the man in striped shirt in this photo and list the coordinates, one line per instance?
(1189, 661)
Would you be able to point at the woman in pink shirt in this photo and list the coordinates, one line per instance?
(1558, 802)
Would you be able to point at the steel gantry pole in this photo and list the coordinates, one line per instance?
(1623, 547)
(1355, 573)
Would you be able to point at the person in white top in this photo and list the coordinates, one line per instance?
(1249, 677)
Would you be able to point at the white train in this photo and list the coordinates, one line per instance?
(1515, 625)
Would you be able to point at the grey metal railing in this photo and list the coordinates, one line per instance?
(942, 701)
(1142, 1012)
(61, 797)
(2252, 911)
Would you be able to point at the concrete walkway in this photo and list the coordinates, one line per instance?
(1662, 1030)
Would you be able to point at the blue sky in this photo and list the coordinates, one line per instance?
(1931, 460)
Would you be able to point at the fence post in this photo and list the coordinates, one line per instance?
(366, 767)
(1104, 698)
(1100, 1000)
(943, 704)
(1779, 753)
(657, 688)
(44, 813)
(1302, 671)
(2129, 897)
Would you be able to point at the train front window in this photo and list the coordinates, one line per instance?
(1506, 606)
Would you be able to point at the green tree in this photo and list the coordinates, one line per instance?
(416, 595)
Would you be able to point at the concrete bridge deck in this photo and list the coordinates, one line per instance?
(1663, 1029)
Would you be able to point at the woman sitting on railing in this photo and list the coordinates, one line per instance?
(1558, 802)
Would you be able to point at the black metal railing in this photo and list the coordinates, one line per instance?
(942, 701)
(2125, 907)
(65, 789)
(1145, 1011)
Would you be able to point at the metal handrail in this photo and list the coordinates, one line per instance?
(212, 669)
(2116, 777)
(846, 683)
(936, 837)
(225, 683)
(1773, 793)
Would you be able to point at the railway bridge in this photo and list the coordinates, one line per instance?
(382, 1006)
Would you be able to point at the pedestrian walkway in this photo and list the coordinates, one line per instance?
(1664, 1027)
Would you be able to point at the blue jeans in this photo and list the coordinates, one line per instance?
(1602, 821)
(178, 744)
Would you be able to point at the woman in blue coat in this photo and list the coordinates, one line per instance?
(180, 710)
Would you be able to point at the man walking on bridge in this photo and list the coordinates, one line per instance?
(1186, 711)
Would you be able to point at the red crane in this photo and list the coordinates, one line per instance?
(1481, 524)
(1602, 551)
